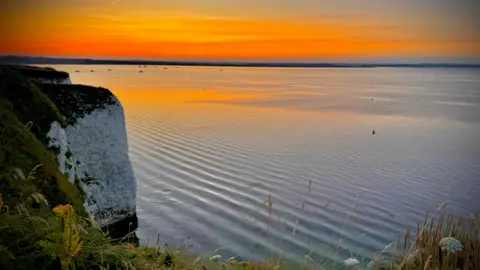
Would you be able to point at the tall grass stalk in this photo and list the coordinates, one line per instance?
(427, 252)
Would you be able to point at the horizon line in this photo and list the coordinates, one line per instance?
(30, 59)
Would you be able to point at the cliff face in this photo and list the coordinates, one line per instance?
(93, 147)
(89, 142)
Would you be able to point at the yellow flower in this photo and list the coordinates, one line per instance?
(60, 210)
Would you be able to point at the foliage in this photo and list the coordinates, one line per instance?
(20, 151)
(447, 243)
(70, 244)
(75, 101)
(46, 75)
(28, 190)
(28, 103)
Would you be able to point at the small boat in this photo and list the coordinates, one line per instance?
(141, 71)
(92, 70)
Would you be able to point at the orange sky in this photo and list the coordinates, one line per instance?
(262, 29)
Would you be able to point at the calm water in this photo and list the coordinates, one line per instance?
(209, 146)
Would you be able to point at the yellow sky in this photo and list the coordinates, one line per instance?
(262, 29)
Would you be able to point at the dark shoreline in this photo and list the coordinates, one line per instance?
(22, 60)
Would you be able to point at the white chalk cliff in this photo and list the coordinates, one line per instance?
(94, 146)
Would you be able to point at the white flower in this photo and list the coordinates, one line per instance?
(215, 258)
(451, 244)
(231, 261)
(351, 261)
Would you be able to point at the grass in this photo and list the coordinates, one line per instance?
(75, 101)
(44, 238)
(64, 240)
(28, 103)
(44, 74)
(425, 251)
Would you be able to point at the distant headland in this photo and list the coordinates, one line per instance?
(12, 59)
